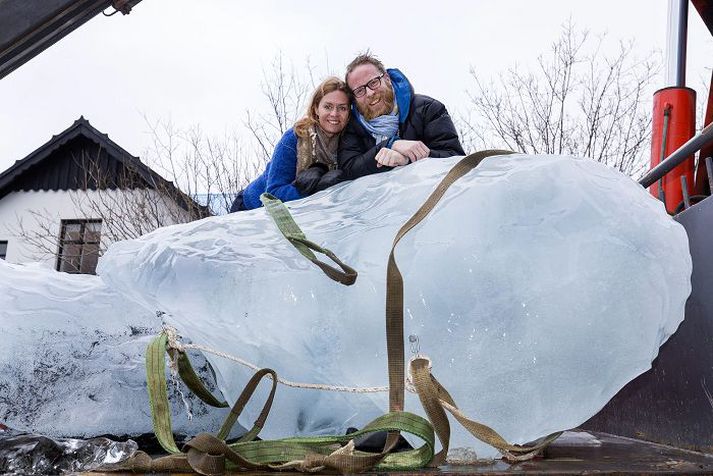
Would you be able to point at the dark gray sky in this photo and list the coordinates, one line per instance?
(202, 62)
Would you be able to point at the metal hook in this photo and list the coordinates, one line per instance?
(119, 6)
(415, 344)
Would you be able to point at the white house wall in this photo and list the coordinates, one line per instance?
(17, 207)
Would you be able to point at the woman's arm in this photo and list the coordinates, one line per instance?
(283, 168)
(357, 157)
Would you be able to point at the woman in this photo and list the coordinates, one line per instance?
(305, 158)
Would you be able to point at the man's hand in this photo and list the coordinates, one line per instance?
(390, 157)
(411, 149)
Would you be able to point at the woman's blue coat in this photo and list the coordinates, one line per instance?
(278, 175)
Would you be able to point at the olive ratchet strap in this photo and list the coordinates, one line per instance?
(211, 455)
(287, 226)
(434, 398)
(395, 282)
(191, 379)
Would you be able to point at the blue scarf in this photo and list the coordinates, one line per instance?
(387, 126)
(382, 127)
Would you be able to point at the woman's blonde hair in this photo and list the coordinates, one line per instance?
(329, 85)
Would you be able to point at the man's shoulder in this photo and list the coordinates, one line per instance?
(421, 100)
(427, 108)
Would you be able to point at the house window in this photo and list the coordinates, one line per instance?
(3, 249)
(79, 246)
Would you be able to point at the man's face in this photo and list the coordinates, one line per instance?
(375, 102)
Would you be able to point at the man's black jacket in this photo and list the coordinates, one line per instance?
(428, 121)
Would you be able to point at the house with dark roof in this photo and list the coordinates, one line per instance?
(67, 201)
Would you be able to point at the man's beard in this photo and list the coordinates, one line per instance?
(385, 106)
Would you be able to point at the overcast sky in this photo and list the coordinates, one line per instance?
(201, 62)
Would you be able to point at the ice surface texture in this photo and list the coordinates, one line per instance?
(72, 359)
(539, 286)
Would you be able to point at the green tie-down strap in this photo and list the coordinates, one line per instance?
(191, 379)
(289, 228)
(158, 393)
(208, 454)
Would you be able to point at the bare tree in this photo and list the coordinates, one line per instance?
(210, 170)
(286, 94)
(124, 199)
(577, 101)
(213, 170)
(184, 174)
(41, 235)
(133, 200)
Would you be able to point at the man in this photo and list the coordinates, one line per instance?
(390, 125)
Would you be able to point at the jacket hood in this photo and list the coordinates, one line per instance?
(403, 92)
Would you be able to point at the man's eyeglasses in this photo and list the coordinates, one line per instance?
(372, 84)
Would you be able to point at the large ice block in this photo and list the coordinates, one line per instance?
(539, 286)
(72, 359)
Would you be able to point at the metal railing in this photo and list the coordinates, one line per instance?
(678, 156)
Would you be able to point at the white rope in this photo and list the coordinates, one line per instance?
(174, 343)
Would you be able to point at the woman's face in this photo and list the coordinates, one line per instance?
(333, 112)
